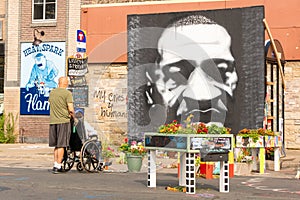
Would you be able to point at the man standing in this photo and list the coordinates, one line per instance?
(61, 111)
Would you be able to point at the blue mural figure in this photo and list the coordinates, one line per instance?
(42, 75)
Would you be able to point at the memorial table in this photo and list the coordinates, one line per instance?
(212, 147)
(260, 143)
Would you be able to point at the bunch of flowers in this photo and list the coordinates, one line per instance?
(108, 152)
(201, 128)
(172, 127)
(255, 133)
(189, 127)
(134, 148)
(244, 155)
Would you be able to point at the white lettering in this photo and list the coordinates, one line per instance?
(35, 104)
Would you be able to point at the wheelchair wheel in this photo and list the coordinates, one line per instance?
(68, 161)
(89, 158)
(79, 166)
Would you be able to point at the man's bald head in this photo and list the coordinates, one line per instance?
(63, 82)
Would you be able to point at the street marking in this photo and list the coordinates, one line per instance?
(254, 183)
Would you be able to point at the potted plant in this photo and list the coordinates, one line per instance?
(244, 160)
(135, 152)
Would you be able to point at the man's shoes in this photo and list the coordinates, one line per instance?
(57, 171)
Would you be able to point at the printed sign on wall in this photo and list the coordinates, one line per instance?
(41, 66)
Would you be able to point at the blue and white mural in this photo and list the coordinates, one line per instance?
(41, 66)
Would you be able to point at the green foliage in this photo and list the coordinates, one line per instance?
(214, 129)
(255, 133)
(107, 152)
(2, 135)
(244, 155)
(198, 160)
(7, 128)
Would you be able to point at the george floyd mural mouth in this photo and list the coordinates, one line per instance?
(206, 63)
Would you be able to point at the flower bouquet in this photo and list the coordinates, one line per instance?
(189, 127)
(255, 133)
(134, 148)
(252, 137)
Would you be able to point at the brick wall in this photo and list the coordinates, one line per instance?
(2, 6)
(107, 101)
(55, 31)
(292, 105)
(2, 19)
(11, 76)
(32, 128)
(72, 25)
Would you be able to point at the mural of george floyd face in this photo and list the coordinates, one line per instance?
(206, 63)
(196, 69)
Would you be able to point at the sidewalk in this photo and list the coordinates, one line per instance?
(41, 156)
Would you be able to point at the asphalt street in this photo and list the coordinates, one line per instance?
(24, 175)
(26, 183)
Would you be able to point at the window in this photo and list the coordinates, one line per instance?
(44, 10)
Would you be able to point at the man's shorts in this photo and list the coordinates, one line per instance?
(59, 135)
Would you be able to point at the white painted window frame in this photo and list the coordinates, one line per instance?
(44, 13)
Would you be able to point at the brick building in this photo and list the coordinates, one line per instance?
(107, 75)
(59, 20)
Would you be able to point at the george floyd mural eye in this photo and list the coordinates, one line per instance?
(206, 63)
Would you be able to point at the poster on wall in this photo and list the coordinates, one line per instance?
(80, 95)
(41, 66)
(208, 64)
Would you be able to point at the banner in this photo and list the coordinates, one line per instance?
(41, 66)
